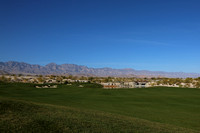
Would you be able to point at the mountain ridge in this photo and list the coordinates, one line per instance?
(14, 67)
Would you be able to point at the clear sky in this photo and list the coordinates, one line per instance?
(140, 34)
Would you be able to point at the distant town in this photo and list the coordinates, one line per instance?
(51, 81)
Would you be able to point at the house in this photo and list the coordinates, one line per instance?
(111, 85)
(125, 85)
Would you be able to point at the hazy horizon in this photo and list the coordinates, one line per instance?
(149, 35)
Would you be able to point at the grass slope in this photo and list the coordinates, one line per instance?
(174, 106)
(20, 116)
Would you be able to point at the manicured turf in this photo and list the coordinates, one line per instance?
(20, 116)
(174, 106)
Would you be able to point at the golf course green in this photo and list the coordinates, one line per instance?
(71, 108)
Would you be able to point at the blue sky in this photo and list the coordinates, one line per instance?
(159, 35)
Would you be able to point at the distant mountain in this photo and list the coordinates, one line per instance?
(52, 68)
(3, 72)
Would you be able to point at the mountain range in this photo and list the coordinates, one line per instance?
(13, 67)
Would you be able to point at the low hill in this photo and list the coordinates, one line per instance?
(21, 116)
(52, 68)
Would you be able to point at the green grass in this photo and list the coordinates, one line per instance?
(21, 116)
(154, 109)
